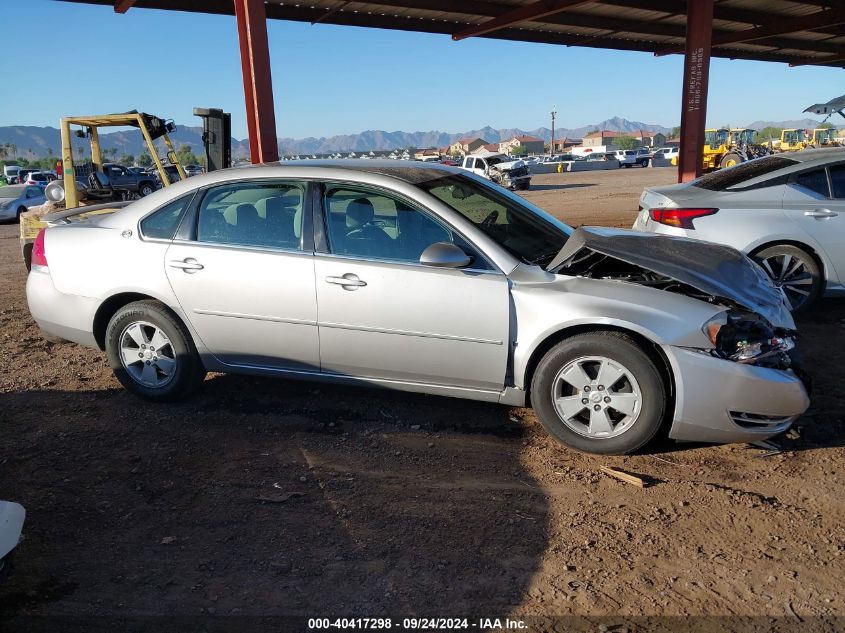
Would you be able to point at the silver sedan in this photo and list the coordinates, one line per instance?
(786, 211)
(424, 278)
(16, 199)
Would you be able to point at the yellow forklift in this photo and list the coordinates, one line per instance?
(98, 189)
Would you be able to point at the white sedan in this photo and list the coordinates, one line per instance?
(786, 211)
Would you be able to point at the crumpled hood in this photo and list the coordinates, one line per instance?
(717, 270)
(514, 164)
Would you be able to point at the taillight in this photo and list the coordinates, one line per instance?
(39, 254)
(679, 218)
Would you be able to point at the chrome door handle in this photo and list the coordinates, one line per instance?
(821, 213)
(349, 281)
(189, 264)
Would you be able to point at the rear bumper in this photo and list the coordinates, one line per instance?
(69, 317)
(722, 401)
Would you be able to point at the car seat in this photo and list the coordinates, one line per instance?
(362, 236)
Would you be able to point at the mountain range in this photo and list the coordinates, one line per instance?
(33, 141)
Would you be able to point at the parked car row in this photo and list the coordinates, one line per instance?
(15, 175)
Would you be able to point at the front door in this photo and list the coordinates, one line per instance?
(246, 282)
(383, 315)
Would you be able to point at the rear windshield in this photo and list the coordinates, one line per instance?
(732, 176)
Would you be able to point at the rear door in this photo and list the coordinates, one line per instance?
(244, 276)
(815, 202)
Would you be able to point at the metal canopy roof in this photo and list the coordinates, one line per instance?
(797, 32)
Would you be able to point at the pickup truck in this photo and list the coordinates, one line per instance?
(500, 168)
(121, 179)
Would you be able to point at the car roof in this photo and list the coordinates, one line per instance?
(410, 171)
(822, 154)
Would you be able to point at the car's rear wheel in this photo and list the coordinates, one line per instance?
(795, 270)
(19, 213)
(599, 393)
(151, 352)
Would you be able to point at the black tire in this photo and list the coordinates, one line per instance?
(775, 258)
(19, 213)
(730, 159)
(6, 567)
(617, 348)
(188, 372)
(145, 189)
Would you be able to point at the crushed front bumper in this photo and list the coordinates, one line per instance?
(722, 401)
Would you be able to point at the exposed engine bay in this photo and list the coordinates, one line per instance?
(742, 336)
(709, 272)
(513, 175)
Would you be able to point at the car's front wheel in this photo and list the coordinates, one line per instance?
(599, 393)
(795, 271)
(151, 352)
(146, 189)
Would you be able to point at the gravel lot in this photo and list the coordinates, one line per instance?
(270, 498)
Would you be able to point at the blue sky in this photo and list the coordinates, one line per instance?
(331, 80)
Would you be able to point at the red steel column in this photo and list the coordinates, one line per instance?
(258, 84)
(696, 74)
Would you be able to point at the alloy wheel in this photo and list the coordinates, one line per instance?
(790, 273)
(147, 354)
(596, 397)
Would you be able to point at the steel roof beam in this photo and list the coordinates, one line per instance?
(840, 59)
(772, 29)
(535, 11)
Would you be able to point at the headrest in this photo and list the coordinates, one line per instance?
(246, 213)
(358, 213)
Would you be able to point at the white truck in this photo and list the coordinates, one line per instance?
(10, 172)
(500, 168)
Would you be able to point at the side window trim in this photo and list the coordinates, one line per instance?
(320, 219)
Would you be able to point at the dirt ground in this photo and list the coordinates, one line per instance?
(271, 498)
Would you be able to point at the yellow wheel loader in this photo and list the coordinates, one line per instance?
(96, 187)
(824, 137)
(792, 140)
(720, 151)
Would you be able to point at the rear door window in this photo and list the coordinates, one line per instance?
(815, 181)
(260, 214)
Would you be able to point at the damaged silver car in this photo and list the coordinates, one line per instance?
(424, 278)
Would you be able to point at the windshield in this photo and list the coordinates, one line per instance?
(732, 176)
(8, 193)
(525, 231)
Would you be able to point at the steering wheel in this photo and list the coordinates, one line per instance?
(490, 220)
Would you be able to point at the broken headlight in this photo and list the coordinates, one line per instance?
(749, 339)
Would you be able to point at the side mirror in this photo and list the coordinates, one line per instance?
(444, 255)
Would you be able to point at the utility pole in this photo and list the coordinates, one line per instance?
(552, 144)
